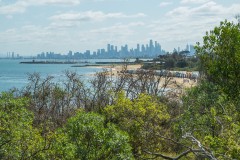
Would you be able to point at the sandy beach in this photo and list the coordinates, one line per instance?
(174, 82)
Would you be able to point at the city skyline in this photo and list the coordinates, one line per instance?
(34, 26)
(150, 50)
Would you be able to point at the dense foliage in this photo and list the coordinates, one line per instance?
(130, 116)
(174, 61)
(142, 118)
(86, 136)
(18, 138)
(212, 119)
(220, 57)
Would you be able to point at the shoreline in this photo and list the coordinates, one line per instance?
(174, 82)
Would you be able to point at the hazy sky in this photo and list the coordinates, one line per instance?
(29, 27)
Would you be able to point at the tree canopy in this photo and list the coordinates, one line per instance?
(220, 57)
(86, 136)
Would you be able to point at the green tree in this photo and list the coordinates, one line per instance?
(143, 119)
(212, 119)
(181, 63)
(209, 121)
(87, 136)
(18, 138)
(220, 57)
(169, 63)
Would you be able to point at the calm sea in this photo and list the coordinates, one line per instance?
(14, 74)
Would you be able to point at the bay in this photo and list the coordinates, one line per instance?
(15, 75)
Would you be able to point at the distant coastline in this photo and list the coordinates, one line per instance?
(77, 62)
(50, 62)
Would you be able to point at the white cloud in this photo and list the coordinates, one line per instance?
(188, 24)
(119, 28)
(118, 34)
(74, 29)
(164, 4)
(208, 10)
(38, 37)
(78, 19)
(18, 7)
(194, 1)
(56, 2)
(92, 15)
(21, 5)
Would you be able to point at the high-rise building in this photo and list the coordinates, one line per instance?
(70, 54)
(108, 48)
(147, 48)
(102, 51)
(138, 47)
(112, 49)
(151, 48)
(126, 48)
(143, 49)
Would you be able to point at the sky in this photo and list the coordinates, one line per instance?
(29, 27)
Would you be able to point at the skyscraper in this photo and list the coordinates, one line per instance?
(12, 54)
(108, 48)
(151, 47)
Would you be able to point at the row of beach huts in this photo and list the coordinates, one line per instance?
(179, 74)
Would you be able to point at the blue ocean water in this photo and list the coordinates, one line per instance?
(13, 74)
